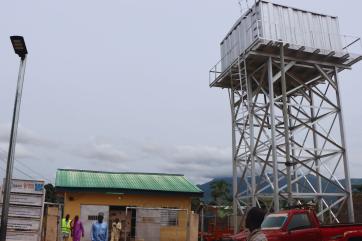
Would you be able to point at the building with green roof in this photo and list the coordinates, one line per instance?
(125, 182)
(127, 196)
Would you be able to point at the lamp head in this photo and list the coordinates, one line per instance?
(19, 46)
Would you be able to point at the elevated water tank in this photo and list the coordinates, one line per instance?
(266, 21)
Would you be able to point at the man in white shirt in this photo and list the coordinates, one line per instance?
(116, 230)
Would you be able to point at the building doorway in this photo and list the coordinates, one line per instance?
(126, 219)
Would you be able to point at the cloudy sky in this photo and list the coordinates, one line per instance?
(123, 85)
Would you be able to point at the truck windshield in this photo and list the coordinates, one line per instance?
(274, 221)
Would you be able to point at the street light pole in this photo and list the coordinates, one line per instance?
(20, 49)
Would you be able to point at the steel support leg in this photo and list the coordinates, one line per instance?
(252, 143)
(348, 185)
(273, 134)
(294, 187)
(288, 163)
(234, 160)
(317, 161)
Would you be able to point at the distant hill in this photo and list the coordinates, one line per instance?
(206, 187)
(356, 181)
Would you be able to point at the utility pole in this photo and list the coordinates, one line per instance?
(20, 49)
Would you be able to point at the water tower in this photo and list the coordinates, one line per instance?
(281, 68)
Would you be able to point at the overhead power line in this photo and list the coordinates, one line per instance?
(22, 171)
(17, 169)
(33, 171)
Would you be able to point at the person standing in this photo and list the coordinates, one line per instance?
(99, 231)
(77, 229)
(116, 230)
(253, 221)
(66, 227)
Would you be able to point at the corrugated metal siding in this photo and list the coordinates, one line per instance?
(135, 181)
(300, 27)
(243, 34)
(275, 22)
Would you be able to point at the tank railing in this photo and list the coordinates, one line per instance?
(322, 41)
(236, 50)
(352, 44)
(217, 69)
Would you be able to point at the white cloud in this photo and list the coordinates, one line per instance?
(188, 153)
(21, 152)
(106, 152)
(199, 163)
(25, 136)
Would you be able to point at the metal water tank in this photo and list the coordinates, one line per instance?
(274, 22)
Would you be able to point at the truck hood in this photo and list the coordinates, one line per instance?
(272, 235)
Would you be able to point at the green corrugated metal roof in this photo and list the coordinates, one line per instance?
(82, 179)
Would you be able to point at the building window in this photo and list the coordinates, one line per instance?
(92, 217)
(169, 217)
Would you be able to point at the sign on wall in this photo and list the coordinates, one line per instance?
(24, 224)
(18, 236)
(26, 199)
(27, 186)
(26, 210)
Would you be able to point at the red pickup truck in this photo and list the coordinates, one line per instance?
(303, 225)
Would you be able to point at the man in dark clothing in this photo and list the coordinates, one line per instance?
(253, 221)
